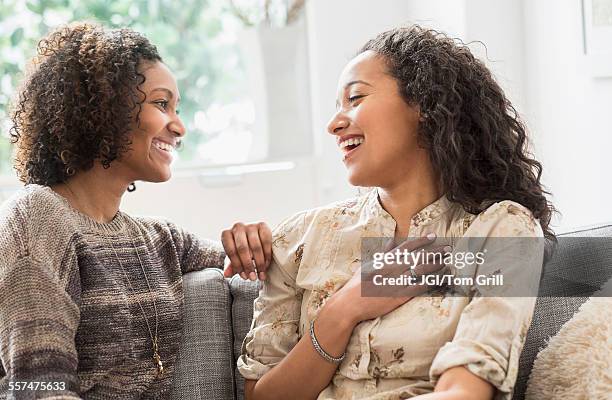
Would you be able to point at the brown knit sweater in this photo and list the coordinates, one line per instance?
(67, 312)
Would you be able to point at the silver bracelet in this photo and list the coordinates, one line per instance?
(319, 349)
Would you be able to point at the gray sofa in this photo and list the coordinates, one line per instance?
(218, 314)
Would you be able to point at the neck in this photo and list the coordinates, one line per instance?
(406, 198)
(96, 192)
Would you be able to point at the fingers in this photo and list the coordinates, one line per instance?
(389, 245)
(242, 252)
(227, 239)
(265, 235)
(259, 237)
(433, 262)
(228, 272)
(245, 244)
(428, 269)
(418, 242)
(420, 282)
(256, 248)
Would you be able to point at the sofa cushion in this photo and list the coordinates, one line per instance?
(577, 362)
(243, 293)
(204, 367)
(580, 265)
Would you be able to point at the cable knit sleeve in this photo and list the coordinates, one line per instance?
(39, 308)
(196, 253)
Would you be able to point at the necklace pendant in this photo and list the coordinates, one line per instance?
(158, 363)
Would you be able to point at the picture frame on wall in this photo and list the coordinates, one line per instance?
(597, 29)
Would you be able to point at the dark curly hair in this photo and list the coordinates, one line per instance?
(474, 136)
(78, 103)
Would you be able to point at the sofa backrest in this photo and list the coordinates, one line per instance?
(580, 265)
(218, 313)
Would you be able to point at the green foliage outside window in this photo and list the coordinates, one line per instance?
(196, 39)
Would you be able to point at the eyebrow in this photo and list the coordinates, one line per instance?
(167, 91)
(354, 82)
(351, 83)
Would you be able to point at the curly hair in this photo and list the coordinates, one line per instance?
(78, 103)
(474, 136)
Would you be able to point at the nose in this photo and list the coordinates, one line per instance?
(176, 126)
(337, 124)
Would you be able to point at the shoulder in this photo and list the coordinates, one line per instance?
(321, 216)
(32, 212)
(158, 227)
(506, 218)
(24, 199)
(24, 207)
(35, 201)
(162, 228)
(153, 223)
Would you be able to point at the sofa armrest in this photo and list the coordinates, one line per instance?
(204, 368)
(244, 294)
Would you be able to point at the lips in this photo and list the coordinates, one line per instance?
(349, 143)
(164, 149)
(163, 145)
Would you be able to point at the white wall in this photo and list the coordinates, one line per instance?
(535, 50)
(206, 206)
(337, 29)
(569, 112)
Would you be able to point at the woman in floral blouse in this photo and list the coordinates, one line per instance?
(423, 123)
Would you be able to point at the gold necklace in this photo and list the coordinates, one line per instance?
(154, 338)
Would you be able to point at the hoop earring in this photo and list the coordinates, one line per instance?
(131, 187)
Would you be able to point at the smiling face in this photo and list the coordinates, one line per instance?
(156, 136)
(375, 128)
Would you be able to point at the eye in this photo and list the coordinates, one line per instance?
(353, 99)
(162, 103)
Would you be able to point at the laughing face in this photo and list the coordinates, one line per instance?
(156, 136)
(375, 129)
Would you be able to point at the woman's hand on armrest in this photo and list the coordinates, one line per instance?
(245, 243)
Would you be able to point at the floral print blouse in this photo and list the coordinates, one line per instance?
(403, 353)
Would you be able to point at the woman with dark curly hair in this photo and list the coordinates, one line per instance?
(91, 303)
(424, 123)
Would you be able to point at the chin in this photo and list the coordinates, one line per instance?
(357, 179)
(159, 177)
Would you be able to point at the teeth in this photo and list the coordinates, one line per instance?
(163, 146)
(351, 142)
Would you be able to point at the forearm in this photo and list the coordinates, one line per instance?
(195, 253)
(448, 395)
(459, 383)
(303, 373)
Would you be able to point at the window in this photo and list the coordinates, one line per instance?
(205, 45)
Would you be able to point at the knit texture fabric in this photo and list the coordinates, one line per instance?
(68, 314)
(577, 362)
